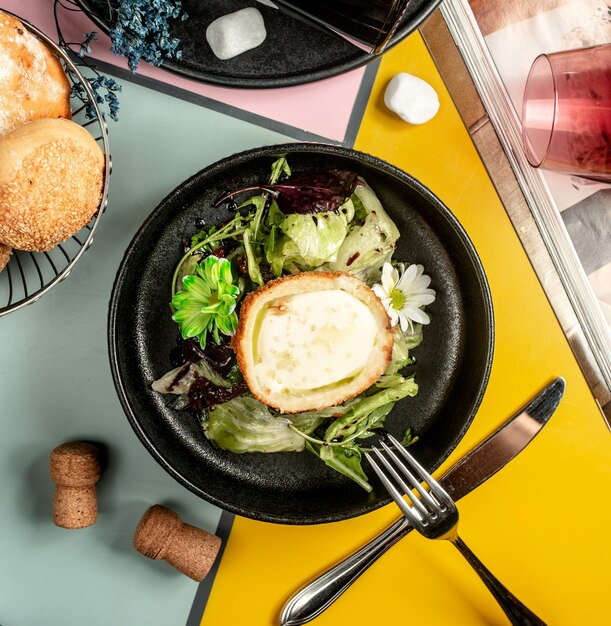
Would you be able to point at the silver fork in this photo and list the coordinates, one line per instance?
(434, 515)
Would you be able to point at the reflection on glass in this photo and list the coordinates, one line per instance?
(372, 22)
(566, 112)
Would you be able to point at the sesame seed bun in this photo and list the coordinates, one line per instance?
(5, 255)
(33, 84)
(51, 178)
(257, 302)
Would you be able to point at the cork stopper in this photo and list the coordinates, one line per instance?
(75, 469)
(161, 534)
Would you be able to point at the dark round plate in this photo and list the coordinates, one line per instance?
(452, 367)
(293, 53)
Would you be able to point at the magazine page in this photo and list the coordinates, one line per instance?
(516, 32)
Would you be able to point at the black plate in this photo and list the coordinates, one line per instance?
(293, 53)
(452, 366)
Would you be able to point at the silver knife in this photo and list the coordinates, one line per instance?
(481, 463)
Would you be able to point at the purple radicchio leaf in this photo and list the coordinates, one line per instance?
(313, 192)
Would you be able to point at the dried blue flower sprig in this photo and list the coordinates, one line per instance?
(105, 89)
(140, 30)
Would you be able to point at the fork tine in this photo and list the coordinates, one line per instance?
(424, 494)
(397, 496)
(407, 490)
(436, 489)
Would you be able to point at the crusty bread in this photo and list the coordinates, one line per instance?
(33, 84)
(288, 286)
(5, 255)
(51, 178)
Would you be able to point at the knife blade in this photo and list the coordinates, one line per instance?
(477, 466)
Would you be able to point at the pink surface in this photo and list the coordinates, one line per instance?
(322, 108)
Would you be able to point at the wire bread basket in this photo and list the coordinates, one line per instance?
(29, 275)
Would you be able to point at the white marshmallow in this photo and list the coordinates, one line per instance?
(235, 33)
(411, 98)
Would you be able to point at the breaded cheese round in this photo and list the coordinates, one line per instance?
(5, 255)
(51, 179)
(312, 340)
(33, 84)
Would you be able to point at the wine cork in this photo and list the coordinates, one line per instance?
(75, 469)
(161, 534)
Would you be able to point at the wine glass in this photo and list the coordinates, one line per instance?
(566, 112)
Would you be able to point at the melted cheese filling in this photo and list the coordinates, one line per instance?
(312, 340)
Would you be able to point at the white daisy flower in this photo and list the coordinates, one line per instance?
(404, 292)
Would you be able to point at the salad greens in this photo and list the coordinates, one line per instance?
(313, 192)
(327, 220)
(246, 425)
(371, 241)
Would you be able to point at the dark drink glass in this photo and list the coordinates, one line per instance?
(566, 112)
(371, 22)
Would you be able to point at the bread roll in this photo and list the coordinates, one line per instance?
(33, 84)
(51, 178)
(5, 255)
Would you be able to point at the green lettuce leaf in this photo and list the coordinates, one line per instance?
(369, 243)
(319, 236)
(281, 252)
(358, 421)
(308, 421)
(414, 338)
(243, 424)
(403, 343)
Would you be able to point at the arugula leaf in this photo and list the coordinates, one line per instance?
(408, 438)
(254, 271)
(279, 167)
(202, 235)
(274, 215)
(346, 461)
(259, 203)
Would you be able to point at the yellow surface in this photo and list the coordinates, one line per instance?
(528, 523)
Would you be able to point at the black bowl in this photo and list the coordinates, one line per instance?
(452, 365)
(292, 54)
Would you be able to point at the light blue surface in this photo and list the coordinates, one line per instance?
(56, 386)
